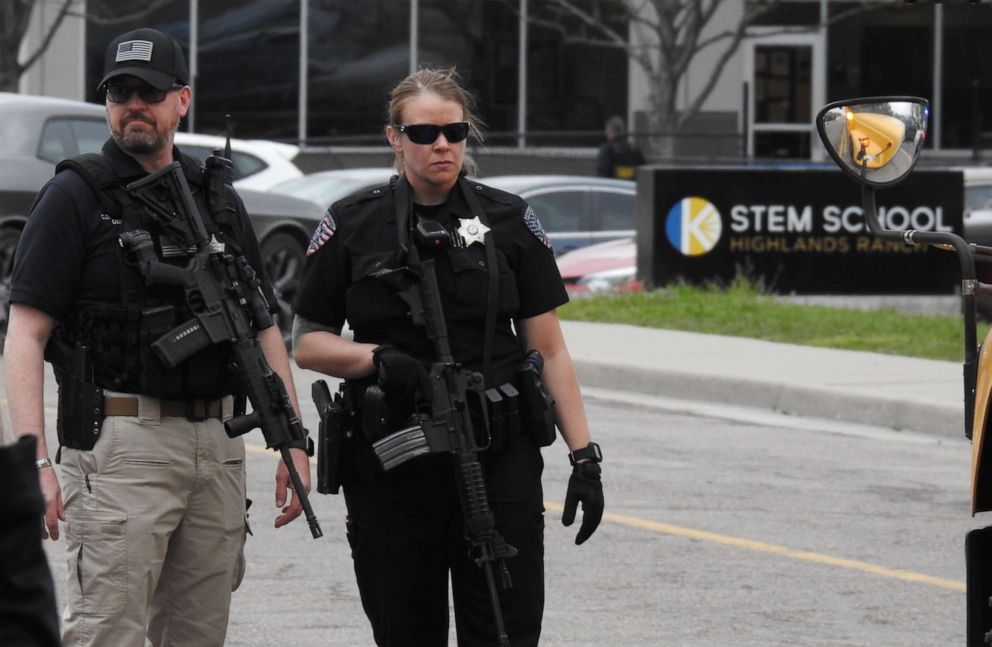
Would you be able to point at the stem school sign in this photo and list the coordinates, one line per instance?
(799, 230)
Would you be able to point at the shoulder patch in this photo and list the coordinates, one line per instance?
(534, 225)
(323, 233)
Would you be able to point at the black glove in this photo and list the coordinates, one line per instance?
(401, 376)
(584, 485)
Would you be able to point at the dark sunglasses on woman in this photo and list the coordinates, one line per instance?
(121, 93)
(427, 133)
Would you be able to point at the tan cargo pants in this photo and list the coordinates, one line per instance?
(155, 521)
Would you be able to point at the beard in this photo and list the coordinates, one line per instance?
(145, 141)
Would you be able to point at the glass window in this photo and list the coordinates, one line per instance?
(249, 68)
(62, 138)
(785, 13)
(616, 211)
(245, 165)
(56, 141)
(883, 51)
(782, 84)
(481, 40)
(978, 197)
(199, 153)
(359, 49)
(90, 134)
(560, 211)
(966, 121)
(572, 89)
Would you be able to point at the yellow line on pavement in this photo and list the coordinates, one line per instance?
(748, 544)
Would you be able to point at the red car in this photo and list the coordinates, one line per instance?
(603, 267)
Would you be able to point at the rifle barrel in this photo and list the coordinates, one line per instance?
(294, 477)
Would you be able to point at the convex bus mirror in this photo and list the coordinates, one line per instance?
(875, 139)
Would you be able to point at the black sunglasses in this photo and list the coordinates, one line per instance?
(427, 133)
(119, 93)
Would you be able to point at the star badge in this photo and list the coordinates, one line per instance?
(472, 231)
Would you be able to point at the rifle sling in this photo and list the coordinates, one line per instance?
(492, 267)
(404, 224)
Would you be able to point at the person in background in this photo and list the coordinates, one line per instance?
(154, 489)
(619, 157)
(405, 525)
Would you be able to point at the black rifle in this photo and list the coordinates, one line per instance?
(225, 297)
(448, 427)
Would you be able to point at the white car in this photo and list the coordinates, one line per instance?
(258, 164)
(327, 187)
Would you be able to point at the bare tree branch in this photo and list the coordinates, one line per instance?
(104, 13)
(63, 12)
(15, 16)
(663, 38)
(696, 104)
(866, 7)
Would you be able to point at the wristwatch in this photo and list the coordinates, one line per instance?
(590, 452)
(43, 462)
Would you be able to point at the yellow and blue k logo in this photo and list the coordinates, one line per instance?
(693, 226)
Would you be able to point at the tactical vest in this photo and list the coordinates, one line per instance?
(119, 334)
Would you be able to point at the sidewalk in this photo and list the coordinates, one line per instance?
(867, 388)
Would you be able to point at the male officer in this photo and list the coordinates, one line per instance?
(154, 490)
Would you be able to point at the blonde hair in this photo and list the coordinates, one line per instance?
(445, 83)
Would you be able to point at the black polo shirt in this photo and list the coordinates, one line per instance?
(355, 271)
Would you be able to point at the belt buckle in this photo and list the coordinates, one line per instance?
(191, 410)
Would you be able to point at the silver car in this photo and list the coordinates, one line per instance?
(575, 210)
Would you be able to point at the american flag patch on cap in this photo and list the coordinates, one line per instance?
(323, 233)
(534, 225)
(134, 50)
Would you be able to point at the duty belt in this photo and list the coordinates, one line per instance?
(196, 409)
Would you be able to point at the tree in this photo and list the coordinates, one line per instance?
(15, 17)
(662, 38)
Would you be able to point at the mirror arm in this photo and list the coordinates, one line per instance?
(983, 253)
(969, 286)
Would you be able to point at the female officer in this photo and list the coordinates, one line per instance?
(405, 525)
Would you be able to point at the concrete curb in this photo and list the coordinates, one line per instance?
(894, 413)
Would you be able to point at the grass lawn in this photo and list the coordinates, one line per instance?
(743, 310)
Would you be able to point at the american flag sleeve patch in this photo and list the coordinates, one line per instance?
(534, 225)
(323, 233)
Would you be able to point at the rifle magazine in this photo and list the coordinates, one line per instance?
(401, 446)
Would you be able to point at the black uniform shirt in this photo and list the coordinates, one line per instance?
(355, 266)
(68, 251)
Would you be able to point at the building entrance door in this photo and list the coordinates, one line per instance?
(784, 73)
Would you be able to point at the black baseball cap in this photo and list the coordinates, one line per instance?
(148, 54)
